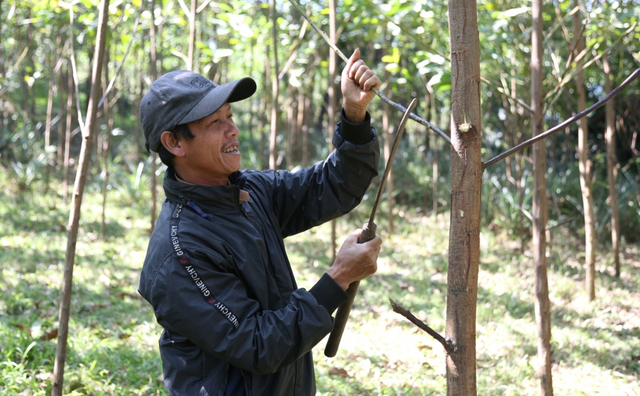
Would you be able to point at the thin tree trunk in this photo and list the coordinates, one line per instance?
(300, 122)
(331, 105)
(67, 137)
(47, 124)
(275, 89)
(106, 147)
(542, 304)
(585, 170)
(291, 116)
(61, 139)
(49, 116)
(466, 184)
(263, 110)
(612, 170)
(192, 34)
(518, 156)
(306, 128)
(154, 155)
(76, 203)
(137, 127)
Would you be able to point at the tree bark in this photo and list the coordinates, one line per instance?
(612, 170)
(154, 156)
(192, 34)
(76, 203)
(291, 123)
(331, 106)
(67, 137)
(263, 111)
(275, 90)
(106, 146)
(585, 169)
(466, 180)
(539, 213)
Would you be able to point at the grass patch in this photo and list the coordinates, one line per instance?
(113, 334)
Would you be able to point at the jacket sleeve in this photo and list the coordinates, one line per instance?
(206, 303)
(330, 188)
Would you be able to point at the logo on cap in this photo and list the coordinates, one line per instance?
(198, 82)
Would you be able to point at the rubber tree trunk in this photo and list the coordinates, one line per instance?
(106, 147)
(153, 66)
(466, 181)
(76, 201)
(612, 170)
(61, 104)
(192, 34)
(332, 105)
(541, 293)
(49, 115)
(290, 126)
(275, 89)
(262, 121)
(585, 169)
(67, 136)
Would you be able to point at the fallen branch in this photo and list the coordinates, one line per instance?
(446, 343)
(562, 125)
(377, 91)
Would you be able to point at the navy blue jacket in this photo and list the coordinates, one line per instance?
(221, 285)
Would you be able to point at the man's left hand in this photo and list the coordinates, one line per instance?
(357, 81)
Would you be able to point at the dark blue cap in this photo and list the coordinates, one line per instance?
(182, 96)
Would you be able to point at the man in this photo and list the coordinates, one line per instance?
(216, 271)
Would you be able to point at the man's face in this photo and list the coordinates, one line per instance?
(213, 154)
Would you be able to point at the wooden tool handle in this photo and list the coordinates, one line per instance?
(342, 316)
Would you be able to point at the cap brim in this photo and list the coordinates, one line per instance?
(230, 92)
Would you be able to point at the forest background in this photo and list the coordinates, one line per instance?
(45, 66)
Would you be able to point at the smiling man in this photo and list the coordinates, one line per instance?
(216, 270)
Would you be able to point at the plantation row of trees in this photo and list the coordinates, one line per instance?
(537, 66)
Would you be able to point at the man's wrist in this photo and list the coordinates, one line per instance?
(338, 278)
(355, 115)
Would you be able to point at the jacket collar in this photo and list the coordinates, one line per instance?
(208, 198)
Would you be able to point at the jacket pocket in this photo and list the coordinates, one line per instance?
(182, 360)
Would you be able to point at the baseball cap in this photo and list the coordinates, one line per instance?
(182, 96)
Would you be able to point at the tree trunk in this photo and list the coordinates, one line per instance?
(291, 117)
(154, 155)
(140, 141)
(49, 116)
(67, 136)
(585, 170)
(466, 183)
(300, 122)
(612, 170)
(331, 106)
(76, 203)
(106, 147)
(192, 34)
(306, 126)
(262, 121)
(273, 135)
(542, 305)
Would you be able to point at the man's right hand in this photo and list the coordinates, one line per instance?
(355, 261)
